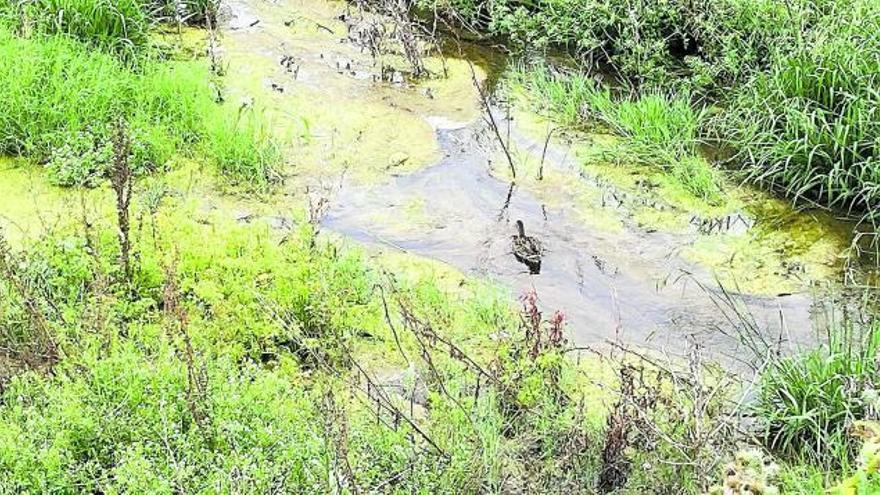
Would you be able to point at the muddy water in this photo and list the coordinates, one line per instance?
(420, 172)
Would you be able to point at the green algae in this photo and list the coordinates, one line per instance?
(785, 251)
(31, 207)
(341, 118)
(181, 42)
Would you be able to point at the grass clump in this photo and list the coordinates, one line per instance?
(660, 130)
(809, 125)
(63, 101)
(120, 27)
(808, 402)
(242, 148)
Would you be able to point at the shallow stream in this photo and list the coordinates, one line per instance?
(415, 167)
(412, 167)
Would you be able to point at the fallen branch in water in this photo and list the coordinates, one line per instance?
(544, 154)
(485, 102)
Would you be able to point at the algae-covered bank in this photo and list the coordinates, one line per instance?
(313, 246)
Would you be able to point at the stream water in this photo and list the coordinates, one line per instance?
(623, 285)
(445, 196)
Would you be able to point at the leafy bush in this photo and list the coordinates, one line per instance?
(706, 46)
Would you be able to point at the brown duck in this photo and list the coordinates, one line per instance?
(527, 250)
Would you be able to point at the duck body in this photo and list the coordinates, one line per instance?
(527, 250)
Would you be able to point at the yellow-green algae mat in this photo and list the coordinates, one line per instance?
(326, 98)
(785, 250)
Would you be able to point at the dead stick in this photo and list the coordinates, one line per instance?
(485, 101)
(544, 154)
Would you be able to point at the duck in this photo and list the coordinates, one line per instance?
(527, 250)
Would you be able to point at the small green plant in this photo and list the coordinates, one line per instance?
(243, 149)
(866, 479)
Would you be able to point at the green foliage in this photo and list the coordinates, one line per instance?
(567, 98)
(121, 27)
(808, 401)
(659, 130)
(270, 333)
(122, 425)
(706, 46)
(809, 125)
(62, 101)
(242, 148)
(118, 26)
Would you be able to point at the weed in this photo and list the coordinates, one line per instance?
(243, 149)
(27, 337)
(121, 178)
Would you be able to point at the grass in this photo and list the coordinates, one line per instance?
(795, 82)
(62, 101)
(660, 130)
(809, 125)
(808, 402)
(259, 378)
(121, 27)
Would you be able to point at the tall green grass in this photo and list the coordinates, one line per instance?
(660, 130)
(61, 102)
(121, 27)
(808, 402)
(810, 126)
